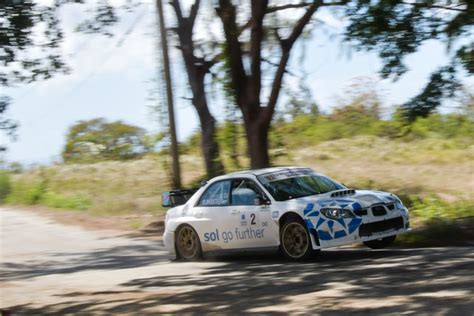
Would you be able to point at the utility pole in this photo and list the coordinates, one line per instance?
(176, 179)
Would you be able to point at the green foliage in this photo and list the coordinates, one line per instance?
(7, 125)
(97, 139)
(55, 200)
(432, 208)
(441, 131)
(439, 222)
(35, 192)
(5, 185)
(441, 86)
(396, 29)
(26, 26)
(351, 121)
(26, 191)
(230, 136)
(15, 167)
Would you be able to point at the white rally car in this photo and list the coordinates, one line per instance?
(293, 208)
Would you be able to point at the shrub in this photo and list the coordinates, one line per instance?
(433, 208)
(25, 192)
(5, 185)
(55, 200)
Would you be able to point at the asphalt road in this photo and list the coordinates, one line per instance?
(49, 268)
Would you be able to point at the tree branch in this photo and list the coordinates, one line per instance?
(271, 63)
(287, 6)
(302, 22)
(256, 37)
(286, 46)
(233, 50)
(302, 5)
(177, 9)
(434, 6)
(193, 12)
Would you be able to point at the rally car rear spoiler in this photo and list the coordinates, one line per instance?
(176, 197)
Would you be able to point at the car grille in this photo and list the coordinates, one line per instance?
(379, 210)
(381, 226)
(361, 212)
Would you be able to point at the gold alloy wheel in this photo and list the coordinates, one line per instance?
(187, 243)
(295, 240)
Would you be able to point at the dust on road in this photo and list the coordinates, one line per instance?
(48, 267)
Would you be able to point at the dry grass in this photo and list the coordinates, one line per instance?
(421, 168)
(112, 187)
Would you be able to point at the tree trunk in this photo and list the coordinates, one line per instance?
(247, 84)
(210, 147)
(196, 69)
(257, 142)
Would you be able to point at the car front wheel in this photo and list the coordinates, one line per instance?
(295, 243)
(380, 243)
(188, 245)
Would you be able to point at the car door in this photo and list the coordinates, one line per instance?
(250, 223)
(212, 214)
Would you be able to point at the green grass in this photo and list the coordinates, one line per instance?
(55, 200)
(5, 185)
(28, 191)
(432, 175)
(103, 188)
(436, 222)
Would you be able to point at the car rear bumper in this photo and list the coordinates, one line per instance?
(168, 241)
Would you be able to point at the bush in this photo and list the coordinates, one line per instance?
(5, 185)
(55, 200)
(25, 192)
(433, 208)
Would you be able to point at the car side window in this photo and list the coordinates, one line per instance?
(245, 192)
(216, 195)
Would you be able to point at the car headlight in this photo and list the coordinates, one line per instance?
(336, 213)
(398, 202)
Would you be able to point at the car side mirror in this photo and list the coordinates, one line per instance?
(263, 201)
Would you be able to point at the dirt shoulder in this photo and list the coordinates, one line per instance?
(134, 224)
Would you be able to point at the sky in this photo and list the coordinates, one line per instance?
(112, 77)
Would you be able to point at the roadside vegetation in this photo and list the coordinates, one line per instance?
(117, 169)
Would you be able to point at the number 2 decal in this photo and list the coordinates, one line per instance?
(252, 219)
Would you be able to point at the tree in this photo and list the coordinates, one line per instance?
(97, 139)
(257, 35)
(29, 42)
(392, 28)
(7, 125)
(246, 83)
(395, 29)
(197, 68)
(23, 58)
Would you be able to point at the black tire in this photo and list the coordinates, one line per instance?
(295, 241)
(380, 243)
(187, 244)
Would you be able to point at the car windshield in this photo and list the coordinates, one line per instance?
(292, 184)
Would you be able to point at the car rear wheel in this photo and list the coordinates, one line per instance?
(188, 245)
(380, 243)
(295, 243)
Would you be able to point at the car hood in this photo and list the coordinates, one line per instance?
(364, 198)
